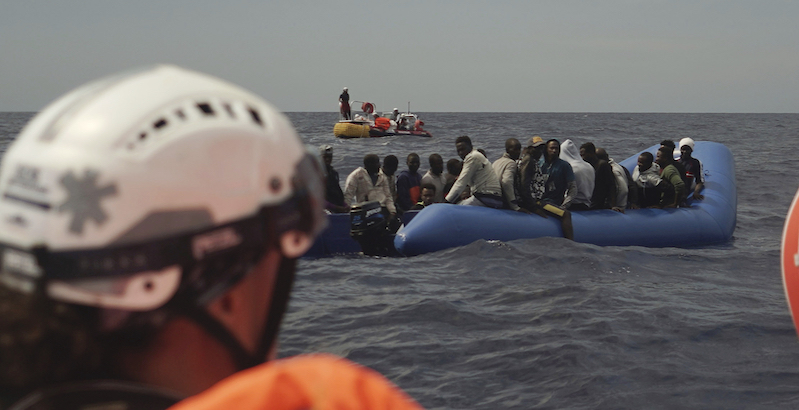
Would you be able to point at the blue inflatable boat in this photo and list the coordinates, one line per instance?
(706, 222)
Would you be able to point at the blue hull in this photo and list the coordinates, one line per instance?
(336, 240)
(706, 222)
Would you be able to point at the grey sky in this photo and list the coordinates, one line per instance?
(529, 56)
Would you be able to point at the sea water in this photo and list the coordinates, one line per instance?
(552, 324)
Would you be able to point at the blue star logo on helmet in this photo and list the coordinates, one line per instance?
(83, 199)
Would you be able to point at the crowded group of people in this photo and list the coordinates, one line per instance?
(542, 177)
(408, 190)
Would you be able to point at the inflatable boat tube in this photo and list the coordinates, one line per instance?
(706, 222)
(351, 130)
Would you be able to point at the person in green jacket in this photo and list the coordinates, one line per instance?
(670, 173)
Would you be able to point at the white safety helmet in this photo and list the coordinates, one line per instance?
(686, 141)
(346, 89)
(140, 186)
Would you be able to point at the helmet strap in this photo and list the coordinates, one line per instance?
(242, 358)
(280, 300)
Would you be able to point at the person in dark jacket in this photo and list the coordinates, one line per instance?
(334, 197)
(561, 187)
(408, 183)
(693, 169)
(626, 189)
(390, 164)
(532, 185)
(604, 194)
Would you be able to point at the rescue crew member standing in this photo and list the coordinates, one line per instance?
(344, 104)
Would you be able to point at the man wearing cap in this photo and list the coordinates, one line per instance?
(334, 197)
(531, 182)
(693, 168)
(505, 168)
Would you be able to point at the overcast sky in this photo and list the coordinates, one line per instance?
(527, 56)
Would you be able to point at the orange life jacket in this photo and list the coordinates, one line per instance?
(383, 123)
(318, 382)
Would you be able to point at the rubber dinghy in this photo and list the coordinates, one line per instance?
(706, 222)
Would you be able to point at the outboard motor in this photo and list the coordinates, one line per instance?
(368, 226)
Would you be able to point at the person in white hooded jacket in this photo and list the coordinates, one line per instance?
(647, 176)
(583, 175)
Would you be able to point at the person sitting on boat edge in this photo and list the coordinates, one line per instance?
(532, 184)
(334, 196)
(626, 190)
(680, 168)
(382, 123)
(604, 193)
(560, 186)
(668, 172)
(369, 183)
(144, 289)
(428, 195)
(653, 190)
(478, 174)
(693, 168)
(584, 176)
(505, 168)
(435, 175)
(408, 182)
(344, 104)
(530, 181)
